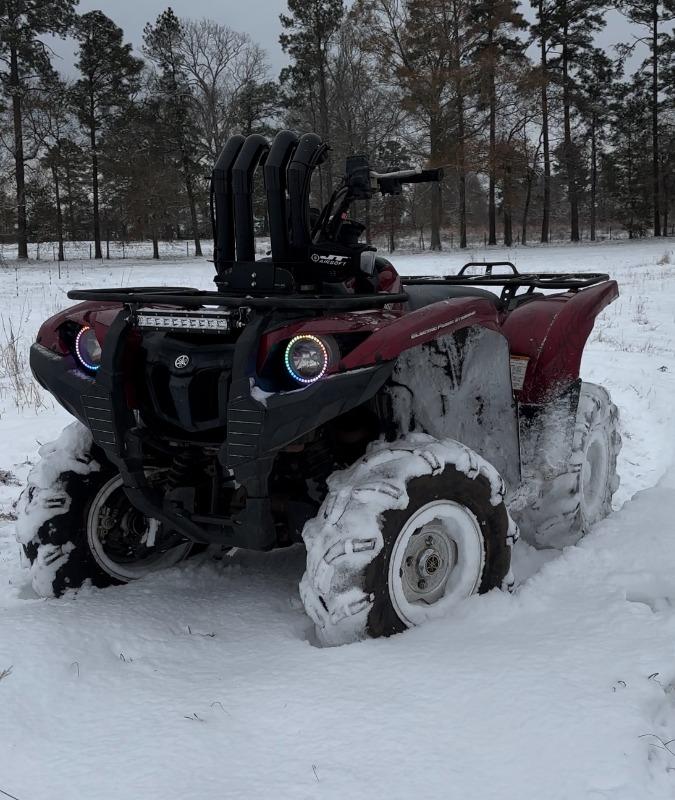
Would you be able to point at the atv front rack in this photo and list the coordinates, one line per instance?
(195, 298)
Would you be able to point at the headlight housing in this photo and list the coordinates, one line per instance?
(306, 358)
(88, 349)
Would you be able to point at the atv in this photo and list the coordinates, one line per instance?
(400, 427)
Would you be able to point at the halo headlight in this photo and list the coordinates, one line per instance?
(88, 349)
(306, 358)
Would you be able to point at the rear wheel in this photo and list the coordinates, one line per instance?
(403, 536)
(570, 499)
(76, 523)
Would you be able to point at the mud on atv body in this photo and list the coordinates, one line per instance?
(247, 399)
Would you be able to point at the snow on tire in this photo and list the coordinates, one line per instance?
(404, 534)
(568, 503)
(73, 500)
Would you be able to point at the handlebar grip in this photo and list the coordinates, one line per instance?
(425, 176)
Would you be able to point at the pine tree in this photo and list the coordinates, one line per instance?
(597, 77)
(627, 164)
(110, 75)
(309, 30)
(494, 23)
(162, 44)
(57, 124)
(650, 14)
(255, 104)
(542, 32)
(575, 23)
(26, 58)
(145, 184)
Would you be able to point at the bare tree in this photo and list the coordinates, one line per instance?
(219, 64)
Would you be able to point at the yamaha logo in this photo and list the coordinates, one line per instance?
(181, 362)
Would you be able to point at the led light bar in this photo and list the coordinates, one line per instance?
(205, 321)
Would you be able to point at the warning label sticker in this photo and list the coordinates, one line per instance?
(518, 370)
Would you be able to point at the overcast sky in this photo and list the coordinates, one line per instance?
(259, 18)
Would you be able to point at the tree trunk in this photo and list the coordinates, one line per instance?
(570, 165)
(436, 214)
(492, 211)
(506, 209)
(526, 206)
(546, 211)
(69, 189)
(155, 243)
(655, 116)
(665, 198)
(19, 165)
(59, 215)
(436, 190)
(368, 221)
(508, 228)
(94, 179)
(325, 125)
(191, 202)
(594, 175)
(461, 133)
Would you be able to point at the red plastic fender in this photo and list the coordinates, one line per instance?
(395, 336)
(99, 315)
(552, 332)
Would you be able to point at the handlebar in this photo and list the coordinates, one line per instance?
(391, 182)
(360, 183)
(410, 175)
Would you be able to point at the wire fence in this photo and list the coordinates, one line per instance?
(177, 249)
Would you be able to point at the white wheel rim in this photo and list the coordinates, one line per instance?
(125, 572)
(445, 543)
(594, 474)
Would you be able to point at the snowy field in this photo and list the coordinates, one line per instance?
(201, 682)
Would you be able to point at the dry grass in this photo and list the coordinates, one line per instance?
(15, 378)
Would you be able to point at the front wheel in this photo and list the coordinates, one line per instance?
(76, 524)
(403, 536)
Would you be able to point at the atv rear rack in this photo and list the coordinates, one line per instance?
(515, 279)
(194, 298)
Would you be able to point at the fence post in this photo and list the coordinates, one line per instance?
(90, 251)
(187, 249)
(123, 253)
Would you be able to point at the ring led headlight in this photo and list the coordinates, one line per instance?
(88, 349)
(306, 358)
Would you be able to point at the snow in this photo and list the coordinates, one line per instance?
(201, 681)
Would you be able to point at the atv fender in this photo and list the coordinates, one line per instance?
(552, 333)
(420, 327)
(458, 386)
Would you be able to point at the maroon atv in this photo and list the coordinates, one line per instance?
(391, 423)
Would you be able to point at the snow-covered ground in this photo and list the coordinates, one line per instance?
(202, 682)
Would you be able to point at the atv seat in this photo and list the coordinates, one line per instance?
(420, 295)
